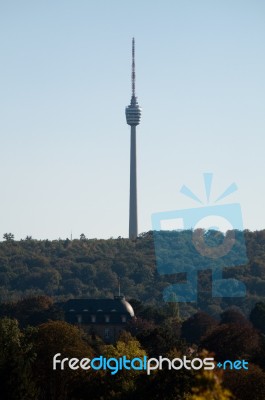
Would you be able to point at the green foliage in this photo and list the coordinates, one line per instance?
(8, 237)
(58, 337)
(127, 346)
(233, 341)
(257, 316)
(32, 310)
(16, 359)
(197, 326)
(124, 381)
(209, 387)
(92, 268)
(31, 269)
(246, 385)
(166, 384)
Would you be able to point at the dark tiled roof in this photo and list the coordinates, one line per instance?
(118, 304)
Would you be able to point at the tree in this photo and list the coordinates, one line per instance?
(233, 316)
(16, 359)
(124, 381)
(232, 341)
(166, 383)
(257, 316)
(209, 387)
(246, 385)
(9, 237)
(32, 310)
(197, 326)
(58, 337)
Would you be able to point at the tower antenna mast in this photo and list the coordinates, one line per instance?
(133, 68)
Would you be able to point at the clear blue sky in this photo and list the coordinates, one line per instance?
(65, 82)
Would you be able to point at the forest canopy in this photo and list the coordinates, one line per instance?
(93, 268)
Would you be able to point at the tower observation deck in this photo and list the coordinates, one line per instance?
(133, 117)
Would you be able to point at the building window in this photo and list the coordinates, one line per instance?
(79, 318)
(106, 333)
(123, 318)
(93, 318)
(107, 318)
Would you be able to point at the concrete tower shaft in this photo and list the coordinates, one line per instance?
(133, 117)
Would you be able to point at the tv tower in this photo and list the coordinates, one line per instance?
(133, 116)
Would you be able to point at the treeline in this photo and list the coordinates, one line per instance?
(31, 333)
(93, 268)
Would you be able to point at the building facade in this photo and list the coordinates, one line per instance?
(102, 317)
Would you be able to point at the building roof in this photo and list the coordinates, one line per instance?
(118, 305)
